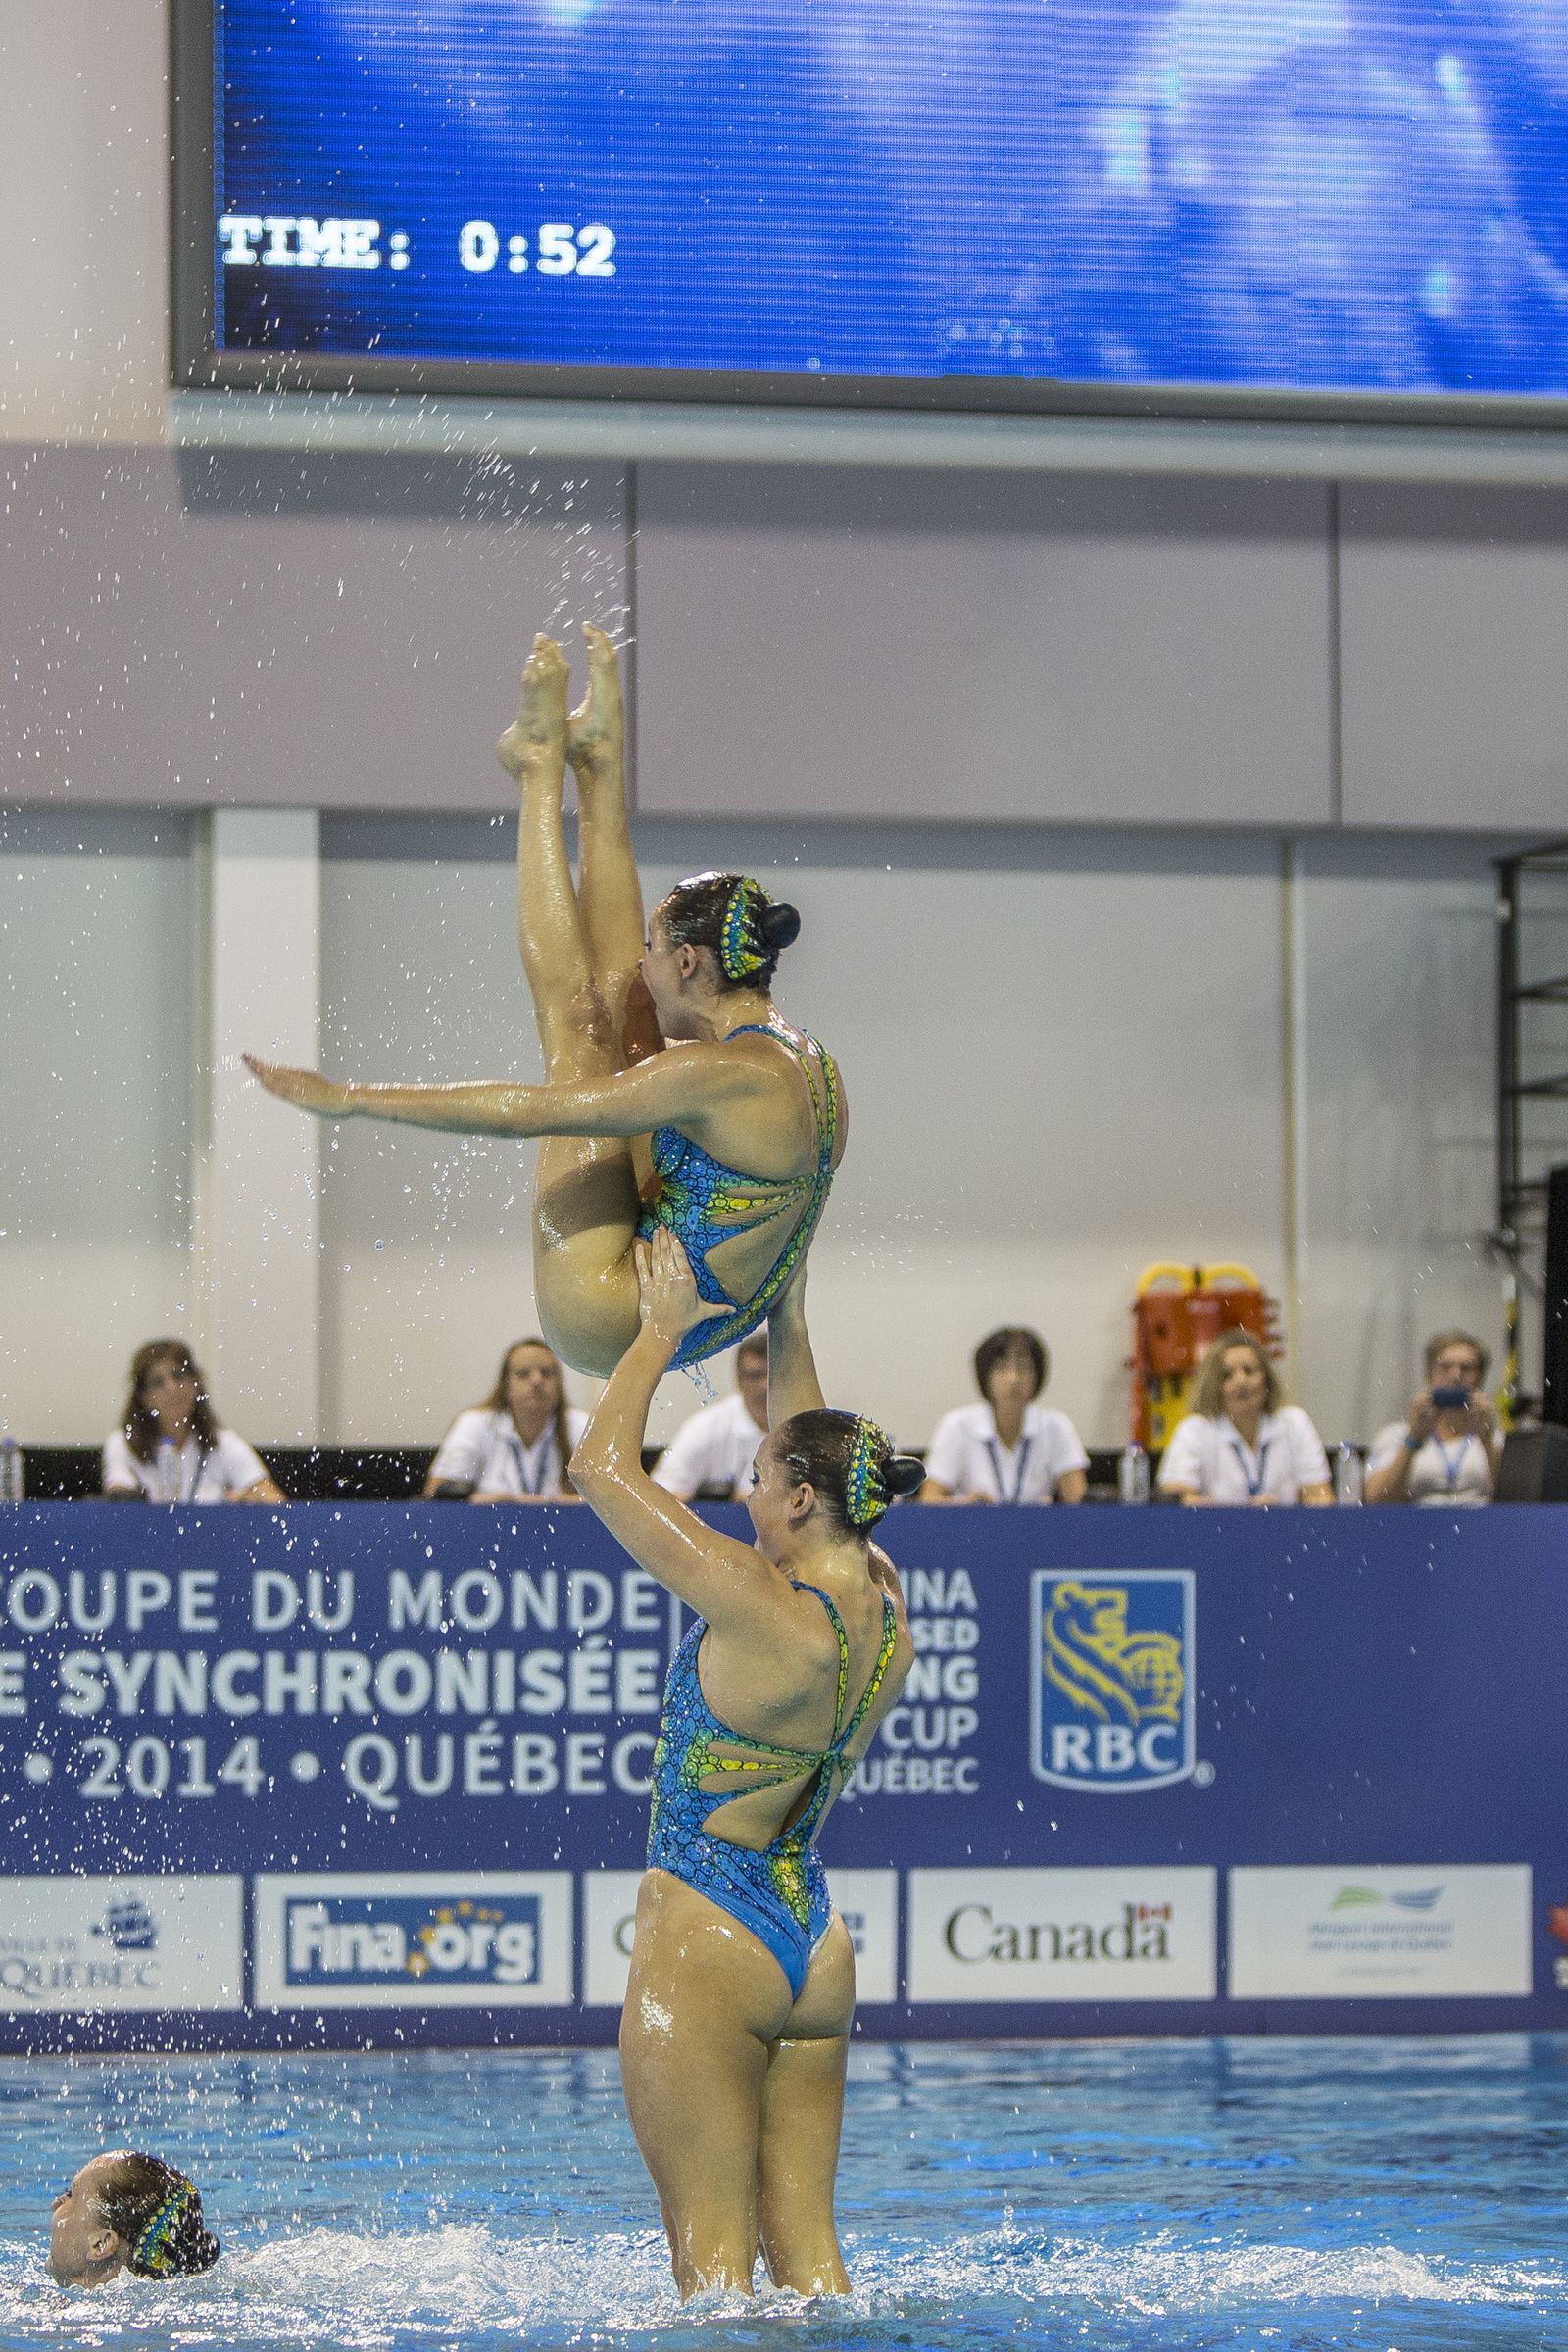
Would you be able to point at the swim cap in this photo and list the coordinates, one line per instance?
(865, 1496)
(741, 949)
(151, 2257)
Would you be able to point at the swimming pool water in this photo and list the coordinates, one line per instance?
(1285, 2195)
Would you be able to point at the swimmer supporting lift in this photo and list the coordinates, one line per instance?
(735, 2032)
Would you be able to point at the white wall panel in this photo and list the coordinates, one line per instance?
(982, 646)
(97, 1016)
(1398, 1156)
(1067, 1055)
(1453, 609)
(84, 198)
(1049, 1088)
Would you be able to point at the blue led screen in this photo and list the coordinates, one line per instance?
(1295, 194)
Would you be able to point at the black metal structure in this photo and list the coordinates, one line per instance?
(1532, 1068)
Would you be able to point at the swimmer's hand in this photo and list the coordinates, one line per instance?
(307, 1089)
(668, 1304)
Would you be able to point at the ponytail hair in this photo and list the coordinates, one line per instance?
(158, 2212)
(850, 1462)
(733, 915)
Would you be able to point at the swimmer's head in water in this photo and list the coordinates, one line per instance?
(131, 2212)
(850, 1464)
(745, 930)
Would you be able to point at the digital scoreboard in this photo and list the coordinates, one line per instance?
(1278, 206)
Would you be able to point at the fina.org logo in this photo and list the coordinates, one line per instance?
(1113, 1681)
(348, 1940)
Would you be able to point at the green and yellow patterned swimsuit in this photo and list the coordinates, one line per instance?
(703, 1203)
(781, 1892)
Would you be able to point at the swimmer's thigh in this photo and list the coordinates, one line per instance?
(802, 2115)
(585, 1211)
(703, 2002)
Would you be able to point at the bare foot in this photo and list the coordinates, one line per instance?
(594, 737)
(535, 743)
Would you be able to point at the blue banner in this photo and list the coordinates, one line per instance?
(364, 1773)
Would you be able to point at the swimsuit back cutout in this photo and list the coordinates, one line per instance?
(695, 1746)
(703, 1203)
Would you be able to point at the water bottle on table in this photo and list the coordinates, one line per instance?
(11, 1479)
(1350, 1474)
(1132, 1473)
(165, 1472)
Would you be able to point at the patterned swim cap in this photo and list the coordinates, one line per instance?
(742, 948)
(866, 1497)
(151, 2257)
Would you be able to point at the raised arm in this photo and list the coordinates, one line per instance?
(675, 1089)
(792, 1383)
(722, 1581)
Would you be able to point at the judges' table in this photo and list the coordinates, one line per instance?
(379, 1774)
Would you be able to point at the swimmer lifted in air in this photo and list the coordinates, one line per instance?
(735, 2032)
(729, 1143)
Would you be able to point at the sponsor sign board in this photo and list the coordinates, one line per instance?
(1378, 1931)
(422, 1940)
(868, 1901)
(1062, 1935)
(1112, 1679)
(86, 1945)
(608, 1915)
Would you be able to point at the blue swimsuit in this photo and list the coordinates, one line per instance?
(781, 1892)
(703, 1203)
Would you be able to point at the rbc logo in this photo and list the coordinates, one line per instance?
(1111, 1680)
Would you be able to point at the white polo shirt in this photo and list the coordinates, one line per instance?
(1446, 1474)
(483, 1450)
(716, 1448)
(1212, 1457)
(967, 1456)
(229, 1468)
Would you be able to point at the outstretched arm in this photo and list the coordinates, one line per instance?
(720, 1580)
(792, 1383)
(672, 1089)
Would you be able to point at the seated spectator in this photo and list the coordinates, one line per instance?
(1009, 1448)
(1241, 1443)
(712, 1452)
(168, 1399)
(1444, 1453)
(514, 1448)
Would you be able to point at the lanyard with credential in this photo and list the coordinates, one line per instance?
(1254, 1486)
(996, 1464)
(520, 1455)
(1452, 1464)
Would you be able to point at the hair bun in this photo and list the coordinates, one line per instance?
(902, 1474)
(779, 924)
(194, 2247)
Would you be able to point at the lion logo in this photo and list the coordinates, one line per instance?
(1111, 1664)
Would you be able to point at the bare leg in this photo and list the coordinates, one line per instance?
(552, 939)
(802, 2116)
(703, 2004)
(610, 894)
(585, 1188)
